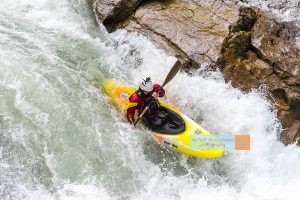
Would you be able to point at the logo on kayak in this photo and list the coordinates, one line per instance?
(170, 144)
(197, 132)
(220, 142)
(124, 95)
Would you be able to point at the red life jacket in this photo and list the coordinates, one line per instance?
(140, 99)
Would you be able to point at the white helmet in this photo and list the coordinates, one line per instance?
(146, 84)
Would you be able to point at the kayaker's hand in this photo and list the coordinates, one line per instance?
(161, 92)
(155, 95)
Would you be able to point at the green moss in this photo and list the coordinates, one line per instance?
(167, 3)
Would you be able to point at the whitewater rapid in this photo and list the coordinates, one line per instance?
(60, 138)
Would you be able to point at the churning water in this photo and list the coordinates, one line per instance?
(60, 138)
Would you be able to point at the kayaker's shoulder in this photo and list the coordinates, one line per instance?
(134, 97)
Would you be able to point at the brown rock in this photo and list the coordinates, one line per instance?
(295, 108)
(258, 50)
(246, 21)
(236, 46)
(112, 12)
(275, 41)
(285, 117)
(193, 33)
(292, 134)
(277, 48)
(281, 98)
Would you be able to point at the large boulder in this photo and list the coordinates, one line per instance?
(192, 33)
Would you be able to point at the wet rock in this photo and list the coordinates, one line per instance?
(260, 51)
(291, 134)
(113, 12)
(192, 33)
(246, 21)
(276, 44)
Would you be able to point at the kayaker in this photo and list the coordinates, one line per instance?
(144, 97)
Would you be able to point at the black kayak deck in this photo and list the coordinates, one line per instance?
(166, 121)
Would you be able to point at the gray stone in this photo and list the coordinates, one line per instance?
(113, 12)
(192, 33)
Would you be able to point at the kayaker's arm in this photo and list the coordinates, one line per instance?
(130, 114)
(131, 110)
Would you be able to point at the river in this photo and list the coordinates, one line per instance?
(60, 138)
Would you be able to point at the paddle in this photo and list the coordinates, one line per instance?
(172, 73)
(169, 77)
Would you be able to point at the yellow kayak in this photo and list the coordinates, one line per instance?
(180, 142)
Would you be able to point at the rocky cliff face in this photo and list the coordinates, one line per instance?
(259, 50)
(249, 46)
